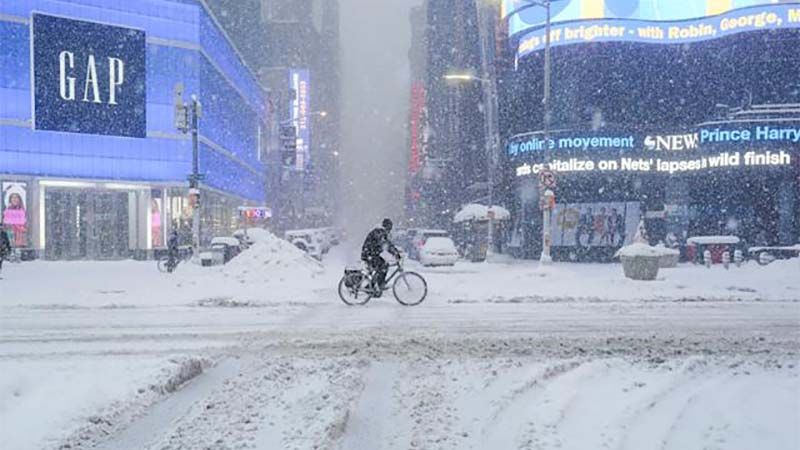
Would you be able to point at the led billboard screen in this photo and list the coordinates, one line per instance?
(647, 21)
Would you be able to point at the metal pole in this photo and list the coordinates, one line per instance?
(194, 182)
(490, 111)
(546, 257)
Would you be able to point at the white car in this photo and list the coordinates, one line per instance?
(438, 251)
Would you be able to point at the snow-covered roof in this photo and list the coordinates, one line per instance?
(225, 240)
(789, 248)
(475, 211)
(440, 244)
(713, 240)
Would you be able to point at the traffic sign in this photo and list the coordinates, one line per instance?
(548, 179)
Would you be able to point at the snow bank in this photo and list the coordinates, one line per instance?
(46, 399)
(271, 258)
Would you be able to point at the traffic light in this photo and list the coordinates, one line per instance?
(288, 138)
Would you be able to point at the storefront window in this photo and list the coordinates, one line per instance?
(15, 216)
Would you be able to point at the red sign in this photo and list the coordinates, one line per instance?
(547, 179)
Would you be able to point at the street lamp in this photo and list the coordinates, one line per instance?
(486, 14)
(464, 77)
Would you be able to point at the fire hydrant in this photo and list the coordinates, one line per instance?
(707, 258)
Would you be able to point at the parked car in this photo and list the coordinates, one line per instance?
(228, 247)
(438, 251)
(766, 255)
(333, 234)
(309, 241)
(245, 240)
(420, 237)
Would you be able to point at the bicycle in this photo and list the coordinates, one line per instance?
(168, 265)
(357, 286)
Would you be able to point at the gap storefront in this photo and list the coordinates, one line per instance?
(721, 178)
(91, 165)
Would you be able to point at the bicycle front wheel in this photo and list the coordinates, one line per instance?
(410, 288)
(352, 296)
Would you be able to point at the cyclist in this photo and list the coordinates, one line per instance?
(376, 242)
(5, 245)
(172, 249)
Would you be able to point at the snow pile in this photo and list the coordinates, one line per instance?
(634, 250)
(271, 258)
(255, 234)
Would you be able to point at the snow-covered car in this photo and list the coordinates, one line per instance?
(310, 241)
(438, 251)
(333, 234)
(228, 246)
(420, 237)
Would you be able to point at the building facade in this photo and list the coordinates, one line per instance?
(89, 150)
(446, 127)
(686, 118)
(294, 47)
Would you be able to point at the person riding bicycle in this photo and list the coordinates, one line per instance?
(5, 245)
(376, 242)
(172, 248)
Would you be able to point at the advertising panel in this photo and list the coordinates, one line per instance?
(88, 77)
(300, 108)
(15, 217)
(609, 224)
(716, 146)
(647, 21)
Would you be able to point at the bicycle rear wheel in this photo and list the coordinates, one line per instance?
(352, 296)
(410, 288)
(162, 264)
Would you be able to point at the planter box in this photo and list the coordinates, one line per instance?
(640, 267)
(667, 261)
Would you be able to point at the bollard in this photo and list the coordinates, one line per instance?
(707, 258)
(726, 259)
(738, 258)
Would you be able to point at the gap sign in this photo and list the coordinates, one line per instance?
(88, 77)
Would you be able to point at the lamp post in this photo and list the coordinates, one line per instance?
(492, 136)
(187, 120)
(490, 106)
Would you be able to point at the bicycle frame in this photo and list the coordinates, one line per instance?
(370, 275)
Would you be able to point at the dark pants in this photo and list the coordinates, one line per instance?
(379, 266)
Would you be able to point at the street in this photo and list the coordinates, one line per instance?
(299, 369)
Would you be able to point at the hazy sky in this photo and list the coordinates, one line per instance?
(375, 76)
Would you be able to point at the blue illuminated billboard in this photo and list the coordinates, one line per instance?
(646, 21)
(88, 77)
(709, 146)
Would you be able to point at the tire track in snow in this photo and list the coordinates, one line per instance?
(368, 426)
(686, 402)
(620, 435)
(506, 423)
(544, 432)
(159, 419)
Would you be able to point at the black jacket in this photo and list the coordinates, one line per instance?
(172, 243)
(5, 244)
(374, 243)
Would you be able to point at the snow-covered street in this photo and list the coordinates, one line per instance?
(500, 355)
